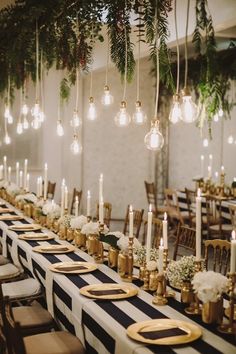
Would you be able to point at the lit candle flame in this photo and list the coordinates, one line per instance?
(161, 242)
(233, 235)
(130, 208)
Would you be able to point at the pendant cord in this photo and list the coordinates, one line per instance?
(8, 90)
(126, 62)
(157, 69)
(177, 48)
(108, 59)
(37, 62)
(91, 72)
(186, 47)
(138, 66)
(41, 80)
(77, 67)
(21, 100)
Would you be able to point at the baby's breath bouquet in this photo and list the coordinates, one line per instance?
(140, 254)
(65, 220)
(180, 271)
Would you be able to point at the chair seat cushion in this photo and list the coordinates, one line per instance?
(8, 271)
(3, 260)
(53, 343)
(21, 288)
(224, 227)
(31, 316)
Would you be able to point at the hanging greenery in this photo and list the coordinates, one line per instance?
(66, 48)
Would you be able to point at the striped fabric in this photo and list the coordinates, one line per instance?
(101, 325)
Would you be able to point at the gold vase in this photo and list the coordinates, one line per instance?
(212, 312)
(80, 239)
(62, 232)
(70, 234)
(92, 244)
(122, 264)
(28, 210)
(55, 226)
(43, 220)
(113, 257)
(187, 294)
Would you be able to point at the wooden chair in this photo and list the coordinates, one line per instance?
(215, 227)
(156, 232)
(232, 210)
(107, 208)
(191, 201)
(186, 239)
(138, 218)
(220, 256)
(152, 199)
(51, 189)
(76, 193)
(49, 343)
(173, 208)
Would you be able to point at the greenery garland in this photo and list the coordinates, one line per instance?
(63, 46)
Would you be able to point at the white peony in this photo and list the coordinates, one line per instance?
(40, 203)
(78, 222)
(209, 285)
(51, 209)
(13, 189)
(123, 243)
(28, 197)
(92, 228)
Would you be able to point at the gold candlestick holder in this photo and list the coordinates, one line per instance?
(165, 258)
(99, 252)
(159, 298)
(146, 277)
(167, 293)
(125, 263)
(230, 327)
(195, 308)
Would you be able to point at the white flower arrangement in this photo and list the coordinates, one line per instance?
(78, 222)
(181, 270)
(92, 228)
(117, 234)
(151, 265)
(123, 243)
(28, 197)
(65, 220)
(209, 285)
(3, 183)
(51, 209)
(13, 189)
(140, 255)
(40, 203)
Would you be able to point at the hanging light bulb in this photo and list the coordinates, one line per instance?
(35, 111)
(139, 117)
(92, 113)
(7, 139)
(19, 128)
(205, 142)
(76, 121)
(75, 147)
(230, 139)
(175, 112)
(154, 139)
(25, 123)
(60, 129)
(188, 107)
(7, 115)
(221, 112)
(42, 116)
(25, 109)
(107, 99)
(216, 117)
(122, 119)
(36, 123)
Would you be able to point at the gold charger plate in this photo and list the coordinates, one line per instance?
(73, 267)
(36, 237)
(109, 291)
(25, 227)
(5, 210)
(193, 332)
(54, 249)
(11, 217)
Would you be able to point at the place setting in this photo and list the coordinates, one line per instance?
(10, 217)
(73, 267)
(107, 291)
(36, 236)
(54, 249)
(25, 227)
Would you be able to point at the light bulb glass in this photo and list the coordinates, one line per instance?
(175, 111)
(7, 139)
(230, 139)
(139, 117)
(188, 110)
(25, 109)
(19, 128)
(60, 129)
(42, 116)
(25, 123)
(76, 147)
(6, 112)
(154, 139)
(205, 142)
(122, 119)
(76, 121)
(36, 123)
(10, 119)
(107, 99)
(35, 111)
(92, 113)
(221, 112)
(216, 117)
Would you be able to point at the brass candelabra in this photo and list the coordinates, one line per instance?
(195, 308)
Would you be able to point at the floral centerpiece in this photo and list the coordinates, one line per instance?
(92, 228)
(3, 183)
(78, 222)
(51, 210)
(13, 190)
(209, 285)
(65, 220)
(28, 198)
(181, 271)
(140, 255)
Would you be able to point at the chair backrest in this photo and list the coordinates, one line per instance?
(190, 198)
(186, 239)
(217, 255)
(232, 210)
(156, 232)
(151, 196)
(138, 218)
(76, 193)
(107, 208)
(51, 190)
(172, 203)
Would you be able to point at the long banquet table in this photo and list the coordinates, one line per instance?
(101, 325)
